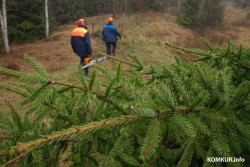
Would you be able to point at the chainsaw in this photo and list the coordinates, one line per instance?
(94, 61)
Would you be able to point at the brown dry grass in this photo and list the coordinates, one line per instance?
(237, 28)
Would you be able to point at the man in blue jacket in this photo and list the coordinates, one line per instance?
(110, 34)
(80, 42)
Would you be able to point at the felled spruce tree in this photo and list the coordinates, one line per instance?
(235, 58)
(164, 115)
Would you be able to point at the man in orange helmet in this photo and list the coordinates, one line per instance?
(80, 42)
(110, 34)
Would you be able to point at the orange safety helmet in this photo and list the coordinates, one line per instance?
(80, 21)
(110, 20)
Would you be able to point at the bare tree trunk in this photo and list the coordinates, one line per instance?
(169, 6)
(126, 7)
(114, 11)
(4, 27)
(117, 7)
(179, 5)
(47, 19)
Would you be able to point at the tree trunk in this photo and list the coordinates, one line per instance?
(47, 19)
(179, 5)
(4, 28)
(117, 7)
(126, 7)
(114, 11)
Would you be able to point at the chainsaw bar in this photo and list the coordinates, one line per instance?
(92, 62)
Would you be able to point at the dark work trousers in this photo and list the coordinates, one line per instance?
(111, 47)
(85, 70)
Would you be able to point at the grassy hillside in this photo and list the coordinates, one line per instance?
(143, 34)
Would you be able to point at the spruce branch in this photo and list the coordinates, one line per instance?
(67, 84)
(78, 129)
(82, 77)
(187, 154)
(182, 110)
(129, 159)
(208, 44)
(166, 94)
(157, 155)
(141, 110)
(36, 94)
(125, 62)
(134, 58)
(241, 93)
(14, 88)
(215, 53)
(129, 92)
(189, 57)
(25, 77)
(119, 146)
(37, 66)
(199, 52)
(106, 161)
(119, 73)
(239, 63)
(151, 141)
(15, 117)
(110, 85)
(9, 72)
(10, 162)
(92, 80)
(185, 125)
(111, 102)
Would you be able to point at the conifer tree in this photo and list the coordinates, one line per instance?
(187, 16)
(164, 115)
(201, 13)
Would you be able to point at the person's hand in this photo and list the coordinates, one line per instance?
(92, 56)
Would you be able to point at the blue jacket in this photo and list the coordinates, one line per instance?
(110, 33)
(80, 41)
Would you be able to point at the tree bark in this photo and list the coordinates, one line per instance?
(47, 19)
(4, 27)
